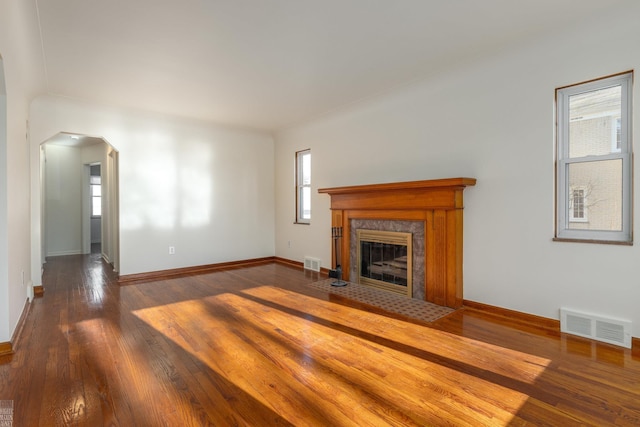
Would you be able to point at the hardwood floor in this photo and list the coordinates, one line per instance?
(255, 346)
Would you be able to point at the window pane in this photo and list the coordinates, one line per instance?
(96, 206)
(592, 121)
(305, 203)
(595, 195)
(95, 179)
(306, 169)
(303, 185)
(96, 190)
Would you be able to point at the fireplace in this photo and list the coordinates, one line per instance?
(384, 260)
(414, 229)
(433, 207)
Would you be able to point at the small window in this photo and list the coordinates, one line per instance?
(303, 187)
(95, 187)
(578, 205)
(594, 160)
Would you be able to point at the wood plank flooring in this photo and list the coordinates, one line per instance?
(257, 346)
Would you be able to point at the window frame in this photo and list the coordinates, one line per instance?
(616, 137)
(563, 161)
(301, 186)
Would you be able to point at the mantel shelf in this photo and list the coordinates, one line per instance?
(395, 186)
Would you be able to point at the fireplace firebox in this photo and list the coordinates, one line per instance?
(384, 260)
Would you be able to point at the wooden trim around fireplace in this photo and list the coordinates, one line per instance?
(438, 203)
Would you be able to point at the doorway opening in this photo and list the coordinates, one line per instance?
(95, 208)
(79, 189)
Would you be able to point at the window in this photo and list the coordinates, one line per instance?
(303, 187)
(577, 208)
(594, 160)
(95, 187)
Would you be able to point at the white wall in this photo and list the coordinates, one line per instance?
(206, 190)
(65, 189)
(21, 57)
(4, 245)
(494, 121)
(63, 198)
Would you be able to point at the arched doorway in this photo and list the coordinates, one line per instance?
(73, 202)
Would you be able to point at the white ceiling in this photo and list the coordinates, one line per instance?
(269, 64)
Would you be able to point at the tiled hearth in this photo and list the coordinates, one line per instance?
(410, 307)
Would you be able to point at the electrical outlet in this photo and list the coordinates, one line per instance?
(289, 243)
(172, 250)
(23, 278)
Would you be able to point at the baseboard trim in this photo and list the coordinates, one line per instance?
(515, 316)
(299, 264)
(324, 272)
(289, 262)
(6, 349)
(132, 279)
(17, 334)
(38, 291)
(539, 322)
(65, 253)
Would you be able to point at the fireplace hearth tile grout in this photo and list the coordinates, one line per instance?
(410, 307)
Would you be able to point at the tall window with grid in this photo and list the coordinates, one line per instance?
(594, 160)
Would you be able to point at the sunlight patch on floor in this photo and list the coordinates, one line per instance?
(517, 365)
(295, 353)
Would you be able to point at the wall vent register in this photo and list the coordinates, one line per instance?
(609, 330)
(312, 264)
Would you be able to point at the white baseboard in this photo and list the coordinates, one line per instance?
(63, 253)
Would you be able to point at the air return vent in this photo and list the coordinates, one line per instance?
(312, 264)
(612, 331)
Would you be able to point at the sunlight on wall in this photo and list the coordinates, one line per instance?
(195, 185)
(172, 187)
(157, 179)
(144, 187)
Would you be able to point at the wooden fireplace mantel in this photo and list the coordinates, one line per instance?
(437, 202)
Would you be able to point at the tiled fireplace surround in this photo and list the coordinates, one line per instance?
(432, 210)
